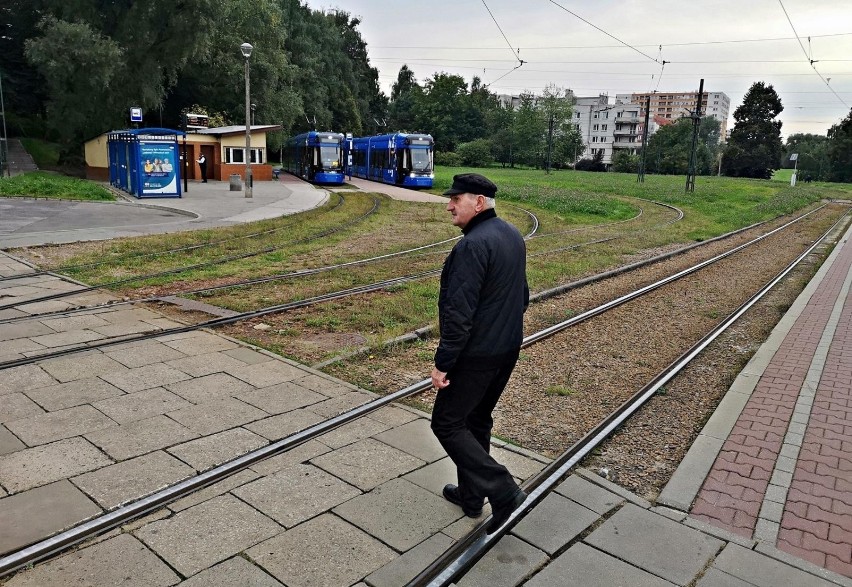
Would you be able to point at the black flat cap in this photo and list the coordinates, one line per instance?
(472, 183)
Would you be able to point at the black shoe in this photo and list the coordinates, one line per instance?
(499, 514)
(204, 181)
(451, 494)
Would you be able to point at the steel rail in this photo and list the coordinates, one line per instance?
(61, 268)
(460, 557)
(179, 270)
(124, 514)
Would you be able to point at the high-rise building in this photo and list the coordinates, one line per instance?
(673, 105)
(606, 128)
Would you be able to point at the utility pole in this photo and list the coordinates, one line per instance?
(641, 177)
(696, 122)
(4, 145)
(549, 142)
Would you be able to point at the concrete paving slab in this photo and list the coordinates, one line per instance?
(399, 513)
(209, 387)
(74, 393)
(76, 322)
(35, 514)
(15, 348)
(277, 427)
(716, 578)
(147, 353)
(27, 329)
(763, 571)
(247, 355)
(337, 405)
(347, 554)
(122, 560)
(267, 373)
(9, 442)
(656, 544)
(17, 379)
(234, 572)
(325, 385)
(680, 491)
(353, 432)
(301, 454)
(296, 494)
(434, 476)
(129, 314)
(367, 463)
(123, 482)
(116, 330)
(519, 465)
(395, 416)
(38, 466)
(72, 337)
(596, 479)
(147, 377)
(222, 487)
(414, 438)
(506, 565)
(403, 569)
(589, 495)
(49, 306)
(17, 406)
(141, 405)
(209, 451)
(554, 523)
(217, 415)
(583, 566)
(201, 343)
(217, 529)
(142, 436)
(206, 364)
(280, 398)
(52, 426)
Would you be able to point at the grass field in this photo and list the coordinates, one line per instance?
(44, 184)
(44, 153)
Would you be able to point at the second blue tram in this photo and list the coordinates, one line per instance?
(315, 156)
(399, 158)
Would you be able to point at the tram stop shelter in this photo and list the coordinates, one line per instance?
(145, 162)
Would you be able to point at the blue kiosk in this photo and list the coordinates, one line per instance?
(145, 162)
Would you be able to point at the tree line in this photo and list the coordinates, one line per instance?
(73, 68)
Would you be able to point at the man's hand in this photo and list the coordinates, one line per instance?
(439, 379)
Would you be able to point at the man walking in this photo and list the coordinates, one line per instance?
(481, 305)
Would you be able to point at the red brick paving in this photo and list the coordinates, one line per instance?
(817, 520)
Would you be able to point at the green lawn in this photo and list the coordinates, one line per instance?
(43, 184)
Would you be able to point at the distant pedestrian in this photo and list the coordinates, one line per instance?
(202, 164)
(481, 305)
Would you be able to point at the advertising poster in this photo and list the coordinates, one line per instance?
(158, 166)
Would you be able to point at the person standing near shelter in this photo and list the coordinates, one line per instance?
(481, 305)
(202, 164)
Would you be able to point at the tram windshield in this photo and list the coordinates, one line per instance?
(330, 156)
(420, 160)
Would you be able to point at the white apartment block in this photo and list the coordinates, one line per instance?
(606, 127)
(674, 105)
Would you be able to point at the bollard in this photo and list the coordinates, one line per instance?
(236, 182)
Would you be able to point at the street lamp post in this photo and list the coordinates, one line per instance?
(246, 50)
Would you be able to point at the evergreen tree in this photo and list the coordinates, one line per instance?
(812, 162)
(405, 96)
(754, 149)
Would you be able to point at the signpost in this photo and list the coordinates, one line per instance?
(795, 158)
(135, 114)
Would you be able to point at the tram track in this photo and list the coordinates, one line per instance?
(123, 514)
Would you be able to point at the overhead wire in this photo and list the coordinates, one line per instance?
(515, 52)
(809, 57)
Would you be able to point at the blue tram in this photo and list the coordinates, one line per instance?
(315, 156)
(399, 159)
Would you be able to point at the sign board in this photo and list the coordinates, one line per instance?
(135, 114)
(794, 156)
(159, 172)
(196, 120)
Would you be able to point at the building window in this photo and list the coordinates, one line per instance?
(238, 155)
(594, 139)
(595, 127)
(603, 127)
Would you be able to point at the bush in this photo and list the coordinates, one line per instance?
(624, 162)
(448, 159)
(595, 164)
(476, 153)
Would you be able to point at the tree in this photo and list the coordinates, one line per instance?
(444, 111)
(812, 154)
(476, 153)
(669, 147)
(405, 96)
(528, 131)
(556, 107)
(840, 150)
(624, 162)
(754, 149)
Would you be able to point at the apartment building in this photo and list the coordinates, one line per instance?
(607, 128)
(674, 105)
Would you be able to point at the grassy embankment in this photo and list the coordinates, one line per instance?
(45, 184)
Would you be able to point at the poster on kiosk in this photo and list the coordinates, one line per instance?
(158, 164)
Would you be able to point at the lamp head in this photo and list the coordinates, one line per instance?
(246, 50)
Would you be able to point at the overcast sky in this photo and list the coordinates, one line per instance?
(729, 43)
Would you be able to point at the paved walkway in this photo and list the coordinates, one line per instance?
(362, 504)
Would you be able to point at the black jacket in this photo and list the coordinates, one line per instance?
(483, 296)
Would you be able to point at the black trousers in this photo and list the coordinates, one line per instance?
(462, 422)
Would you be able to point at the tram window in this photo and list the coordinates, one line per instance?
(330, 156)
(420, 160)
